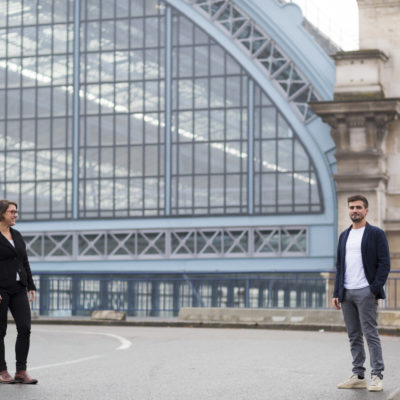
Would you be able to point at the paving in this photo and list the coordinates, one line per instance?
(164, 363)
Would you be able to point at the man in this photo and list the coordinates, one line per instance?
(363, 265)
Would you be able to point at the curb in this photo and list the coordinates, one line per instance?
(391, 331)
(194, 324)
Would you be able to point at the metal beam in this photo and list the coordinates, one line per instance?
(75, 139)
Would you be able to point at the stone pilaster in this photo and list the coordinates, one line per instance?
(359, 129)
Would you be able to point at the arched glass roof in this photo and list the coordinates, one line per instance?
(145, 97)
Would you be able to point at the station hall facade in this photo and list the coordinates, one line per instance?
(167, 137)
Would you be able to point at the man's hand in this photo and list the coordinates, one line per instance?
(31, 295)
(335, 303)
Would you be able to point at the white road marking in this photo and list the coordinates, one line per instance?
(60, 364)
(125, 343)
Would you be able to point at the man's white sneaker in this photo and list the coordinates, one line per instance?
(376, 384)
(354, 382)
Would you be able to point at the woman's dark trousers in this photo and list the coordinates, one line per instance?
(15, 299)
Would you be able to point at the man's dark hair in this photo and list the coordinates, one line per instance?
(4, 204)
(358, 197)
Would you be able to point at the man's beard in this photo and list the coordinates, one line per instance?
(357, 218)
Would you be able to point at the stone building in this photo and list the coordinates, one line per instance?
(364, 118)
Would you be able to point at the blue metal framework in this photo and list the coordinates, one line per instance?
(168, 80)
(280, 84)
(264, 51)
(76, 105)
(178, 98)
(165, 244)
(157, 295)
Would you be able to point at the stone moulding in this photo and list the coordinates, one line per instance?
(374, 116)
(326, 108)
(360, 55)
(362, 182)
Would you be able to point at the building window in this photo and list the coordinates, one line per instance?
(285, 180)
(209, 129)
(122, 150)
(122, 109)
(36, 65)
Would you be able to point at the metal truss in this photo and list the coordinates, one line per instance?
(263, 51)
(168, 244)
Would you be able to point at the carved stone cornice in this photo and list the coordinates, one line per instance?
(377, 3)
(360, 178)
(358, 182)
(392, 225)
(340, 109)
(351, 155)
(361, 54)
(372, 115)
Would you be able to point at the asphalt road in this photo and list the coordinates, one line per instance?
(146, 363)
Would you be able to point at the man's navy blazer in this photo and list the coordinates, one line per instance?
(13, 260)
(375, 257)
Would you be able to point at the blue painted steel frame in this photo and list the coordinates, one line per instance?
(75, 140)
(168, 77)
(283, 24)
(65, 295)
(315, 137)
(250, 146)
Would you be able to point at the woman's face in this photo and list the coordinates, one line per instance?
(10, 216)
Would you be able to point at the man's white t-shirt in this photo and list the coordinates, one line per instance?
(354, 277)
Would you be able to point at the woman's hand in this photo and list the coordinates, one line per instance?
(0, 298)
(31, 295)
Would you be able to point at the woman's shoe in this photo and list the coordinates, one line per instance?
(5, 377)
(23, 377)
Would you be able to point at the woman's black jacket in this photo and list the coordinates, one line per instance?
(13, 260)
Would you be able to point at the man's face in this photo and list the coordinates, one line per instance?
(357, 211)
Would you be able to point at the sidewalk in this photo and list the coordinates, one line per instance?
(284, 319)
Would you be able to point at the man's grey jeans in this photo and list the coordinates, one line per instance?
(359, 312)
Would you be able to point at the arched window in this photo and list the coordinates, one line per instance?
(124, 104)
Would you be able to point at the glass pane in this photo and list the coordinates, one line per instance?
(268, 122)
(284, 129)
(301, 191)
(301, 159)
(284, 188)
(217, 96)
(268, 189)
(285, 155)
(185, 159)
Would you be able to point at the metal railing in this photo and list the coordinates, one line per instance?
(164, 295)
(189, 243)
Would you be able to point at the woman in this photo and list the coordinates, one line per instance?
(15, 281)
